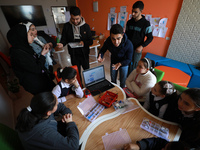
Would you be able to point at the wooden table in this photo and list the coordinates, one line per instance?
(91, 133)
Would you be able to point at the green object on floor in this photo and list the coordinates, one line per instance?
(179, 87)
(159, 74)
(9, 139)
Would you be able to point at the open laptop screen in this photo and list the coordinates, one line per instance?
(93, 75)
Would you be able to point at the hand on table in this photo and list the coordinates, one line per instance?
(67, 118)
(131, 146)
(70, 96)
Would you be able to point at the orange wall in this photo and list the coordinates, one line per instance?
(157, 8)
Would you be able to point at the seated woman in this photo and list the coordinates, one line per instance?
(41, 39)
(26, 64)
(186, 111)
(160, 96)
(38, 129)
(142, 79)
(68, 87)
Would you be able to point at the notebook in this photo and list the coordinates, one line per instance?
(95, 81)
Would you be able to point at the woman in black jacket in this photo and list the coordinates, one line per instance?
(26, 64)
(186, 112)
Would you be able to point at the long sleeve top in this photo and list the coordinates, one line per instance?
(140, 84)
(162, 108)
(27, 66)
(68, 36)
(138, 30)
(45, 135)
(121, 54)
(57, 91)
(152, 144)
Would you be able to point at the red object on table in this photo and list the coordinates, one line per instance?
(108, 98)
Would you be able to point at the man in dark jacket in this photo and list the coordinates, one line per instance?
(137, 29)
(121, 50)
(77, 30)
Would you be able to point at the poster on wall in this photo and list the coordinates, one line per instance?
(162, 32)
(149, 18)
(122, 16)
(112, 18)
(159, 28)
(123, 8)
(130, 16)
(163, 22)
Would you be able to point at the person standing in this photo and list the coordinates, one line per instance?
(28, 67)
(121, 50)
(137, 28)
(77, 30)
(42, 40)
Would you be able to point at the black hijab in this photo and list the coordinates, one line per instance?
(17, 37)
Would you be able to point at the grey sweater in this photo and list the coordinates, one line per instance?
(45, 135)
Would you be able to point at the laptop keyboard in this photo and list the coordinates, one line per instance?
(100, 87)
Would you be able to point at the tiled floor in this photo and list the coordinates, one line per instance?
(25, 98)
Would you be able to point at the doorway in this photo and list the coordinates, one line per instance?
(61, 15)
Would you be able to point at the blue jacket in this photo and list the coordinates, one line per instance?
(45, 135)
(121, 54)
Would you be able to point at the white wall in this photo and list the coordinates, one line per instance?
(185, 43)
(46, 5)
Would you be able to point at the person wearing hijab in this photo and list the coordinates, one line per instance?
(42, 39)
(77, 30)
(26, 64)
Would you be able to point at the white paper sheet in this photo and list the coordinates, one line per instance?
(149, 18)
(130, 16)
(163, 22)
(123, 8)
(155, 31)
(155, 21)
(112, 9)
(116, 140)
(122, 16)
(162, 32)
(112, 17)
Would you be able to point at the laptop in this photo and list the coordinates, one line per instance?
(95, 82)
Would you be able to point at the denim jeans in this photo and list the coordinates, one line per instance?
(134, 62)
(123, 70)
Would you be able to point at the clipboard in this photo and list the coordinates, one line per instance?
(75, 45)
